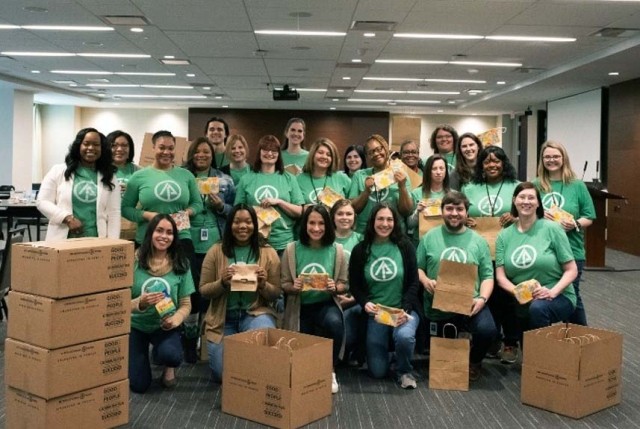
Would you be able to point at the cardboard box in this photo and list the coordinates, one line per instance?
(53, 373)
(281, 387)
(147, 155)
(73, 267)
(572, 370)
(101, 407)
(52, 323)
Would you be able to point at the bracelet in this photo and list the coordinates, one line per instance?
(483, 298)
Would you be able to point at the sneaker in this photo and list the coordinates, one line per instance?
(334, 383)
(474, 371)
(494, 349)
(509, 354)
(407, 381)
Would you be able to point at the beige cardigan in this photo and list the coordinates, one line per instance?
(215, 262)
(292, 307)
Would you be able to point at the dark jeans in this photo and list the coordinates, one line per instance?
(404, 339)
(323, 319)
(481, 327)
(353, 328)
(503, 309)
(579, 316)
(544, 312)
(168, 352)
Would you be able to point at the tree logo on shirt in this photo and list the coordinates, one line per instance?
(551, 199)
(313, 268)
(156, 284)
(87, 192)
(313, 193)
(379, 196)
(167, 191)
(524, 256)
(383, 269)
(454, 254)
(265, 191)
(487, 202)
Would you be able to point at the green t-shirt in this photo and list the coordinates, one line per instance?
(390, 195)
(574, 198)
(241, 300)
(312, 186)
(311, 260)
(124, 172)
(205, 219)
(237, 174)
(489, 199)
(160, 191)
(384, 273)
(348, 243)
(538, 253)
(254, 187)
(298, 158)
(174, 285)
(467, 247)
(221, 160)
(84, 200)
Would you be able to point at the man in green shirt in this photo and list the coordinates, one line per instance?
(217, 131)
(453, 241)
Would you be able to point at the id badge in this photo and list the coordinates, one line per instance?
(204, 234)
(433, 328)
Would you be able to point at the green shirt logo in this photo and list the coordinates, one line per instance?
(488, 202)
(313, 193)
(313, 268)
(167, 191)
(551, 199)
(265, 191)
(383, 269)
(454, 254)
(156, 284)
(87, 192)
(379, 196)
(524, 256)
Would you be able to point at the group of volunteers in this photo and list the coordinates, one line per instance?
(331, 248)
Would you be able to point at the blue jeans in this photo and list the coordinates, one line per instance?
(544, 313)
(324, 319)
(167, 352)
(352, 327)
(235, 322)
(579, 316)
(404, 338)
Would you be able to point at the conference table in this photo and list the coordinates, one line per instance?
(12, 210)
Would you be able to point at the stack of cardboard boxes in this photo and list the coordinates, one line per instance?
(67, 351)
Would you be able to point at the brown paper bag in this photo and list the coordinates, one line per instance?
(245, 279)
(449, 362)
(127, 229)
(488, 228)
(426, 223)
(455, 287)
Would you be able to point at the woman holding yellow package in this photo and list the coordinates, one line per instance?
(566, 200)
(321, 180)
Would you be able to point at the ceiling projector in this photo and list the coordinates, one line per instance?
(285, 94)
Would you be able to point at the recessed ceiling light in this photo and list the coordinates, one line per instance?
(168, 86)
(485, 63)
(501, 82)
(169, 57)
(225, 106)
(332, 108)
(411, 62)
(311, 89)
(340, 90)
(369, 34)
(455, 81)
(346, 78)
(93, 44)
(9, 27)
(65, 28)
(112, 85)
(206, 88)
(143, 74)
(437, 36)
(299, 33)
(175, 62)
(451, 102)
(73, 85)
(440, 110)
(531, 39)
(191, 75)
(88, 72)
(218, 97)
(399, 79)
(35, 71)
(36, 54)
(614, 74)
(356, 60)
(100, 55)
(435, 92)
(136, 30)
(368, 100)
(419, 101)
(160, 96)
(335, 99)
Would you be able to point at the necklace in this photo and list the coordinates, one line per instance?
(492, 204)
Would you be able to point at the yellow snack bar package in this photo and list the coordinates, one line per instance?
(329, 197)
(208, 185)
(524, 291)
(314, 281)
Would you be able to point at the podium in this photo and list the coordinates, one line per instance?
(595, 235)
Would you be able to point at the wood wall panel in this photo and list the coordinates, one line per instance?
(343, 128)
(623, 223)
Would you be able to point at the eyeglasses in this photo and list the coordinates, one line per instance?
(120, 146)
(375, 151)
(410, 152)
(552, 157)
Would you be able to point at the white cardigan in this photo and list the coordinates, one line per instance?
(54, 201)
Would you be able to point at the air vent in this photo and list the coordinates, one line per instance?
(373, 25)
(175, 62)
(135, 20)
(357, 66)
(619, 33)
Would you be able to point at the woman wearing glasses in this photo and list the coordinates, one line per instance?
(443, 141)
(562, 192)
(364, 194)
(268, 185)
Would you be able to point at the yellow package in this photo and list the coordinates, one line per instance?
(524, 291)
(383, 179)
(388, 315)
(329, 197)
(432, 207)
(314, 281)
(208, 185)
(560, 215)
